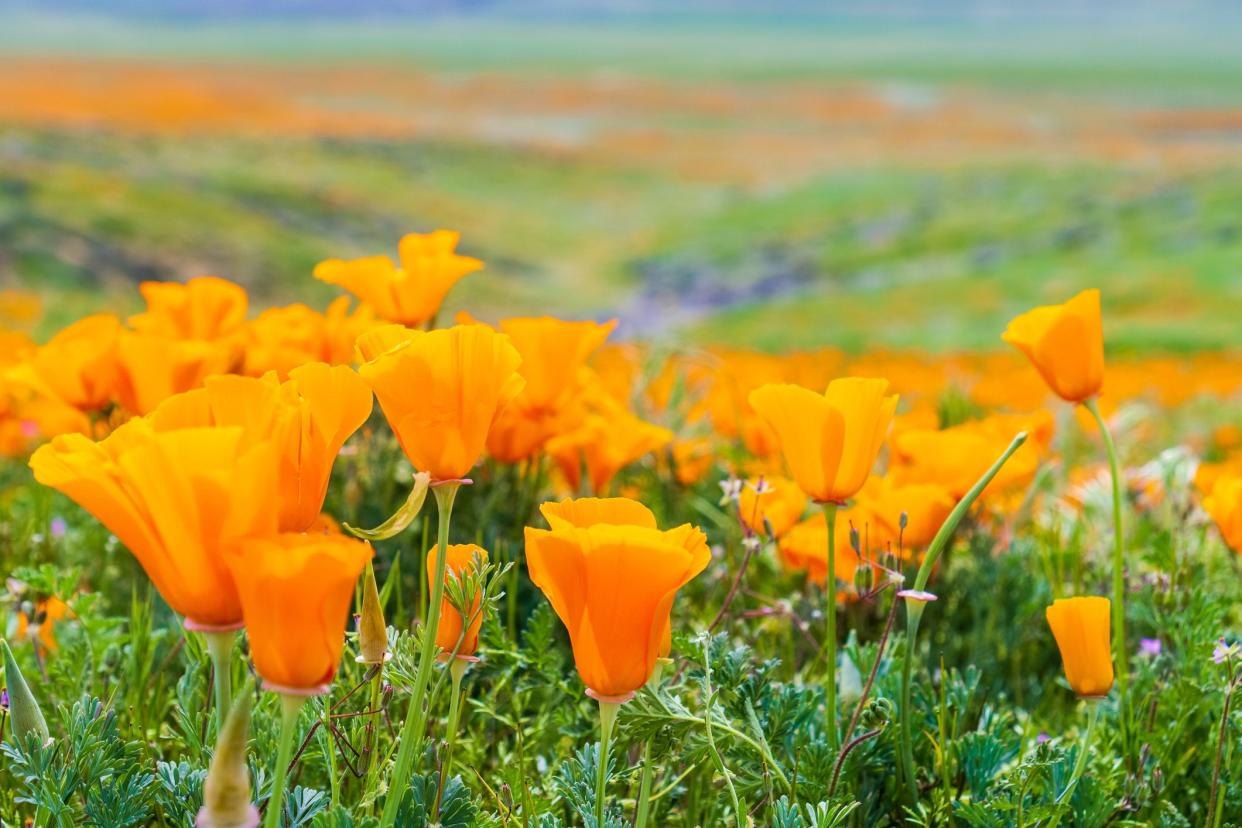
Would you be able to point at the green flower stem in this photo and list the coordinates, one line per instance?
(644, 784)
(1084, 749)
(607, 718)
(830, 638)
(1120, 652)
(220, 650)
(1217, 795)
(371, 734)
(457, 668)
(414, 729)
(914, 609)
(290, 706)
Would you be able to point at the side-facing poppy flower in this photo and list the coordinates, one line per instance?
(774, 502)
(412, 293)
(281, 339)
(612, 576)
(176, 499)
(1065, 343)
(925, 505)
(1082, 630)
(154, 368)
(1224, 504)
(805, 547)
(830, 440)
(441, 390)
(606, 441)
(77, 366)
(307, 418)
(203, 308)
(459, 559)
(295, 593)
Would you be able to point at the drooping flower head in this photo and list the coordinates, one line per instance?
(176, 498)
(412, 293)
(441, 390)
(1081, 627)
(295, 592)
(830, 441)
(1065, 343)
(612, 576)
(459, 559)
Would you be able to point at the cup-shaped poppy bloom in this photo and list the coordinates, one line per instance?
(78, 366)
(805, 547)
(176, 499)
(606, 440)
(771, 502)
(926, 506)
(1081, 627)
(412, 293)
(204, 308)
(830, 440)
(1224, 504)
(281, 339)
(295, 593)
(459, 559)
(612, 576)
(441, 390)
(1065, 343)
(307, 418)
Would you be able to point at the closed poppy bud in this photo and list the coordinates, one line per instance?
(611, 577)
(777, 507)
(372, 631)
(459, 559)
(441, 390)
(295, 591)
(412, 293)
(24, 711)
(175, 499)
(830, 440)
(1081, 627)
(1065, 343)
(226, 791)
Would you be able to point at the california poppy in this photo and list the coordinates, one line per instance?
(1224, 504)
(281, 339)
(77, 366)
(459, 558)
(606, 440)
(295, 593)
(611, 577)
(1081, 628)
(1065, 343)
(412, 293)
(830, 440)
(153, 368)
(204, 308)
(804, 547)
(176, 499)
(924, 505)
(307, 418)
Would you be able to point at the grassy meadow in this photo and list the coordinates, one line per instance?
(637, 569)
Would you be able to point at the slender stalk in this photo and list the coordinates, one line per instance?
(457, 668)
(1093, 713)
(1214, 803)
(914, 609)
(830, 639)
(1121, 652)
(607, 718)
(220, 650)
(414, 729)
(644, 784)
(371, 733)
(290, 706)
(711, 738)
(329, 752)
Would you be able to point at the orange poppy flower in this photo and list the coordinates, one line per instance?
(955, 458)
(175, 499)
(692, 459)
(805, 546)
(281, 339)
(295, 593)
(412, 293)
(830, 440)
(47, 613)
(204, 308)
(153, 368)
(606, 441)
(441, 390)
(780, 506)
(925, 505)
(78, 366)
(1065, 343)
(612, 576)
(1081, 627)
(307, 418)
(459, 558)
(1224, 504)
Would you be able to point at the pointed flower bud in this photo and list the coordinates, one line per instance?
(23, 709)
(372, 631)
(226, 792)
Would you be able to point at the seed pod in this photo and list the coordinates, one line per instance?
(864, 578)
(372, 631)
(23, 709)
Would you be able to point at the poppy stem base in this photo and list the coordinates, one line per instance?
(291, 706)
(220, 651)
(608, 707)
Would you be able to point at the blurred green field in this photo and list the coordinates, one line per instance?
(899, 246)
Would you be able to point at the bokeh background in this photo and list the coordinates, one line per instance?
(770, 174)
